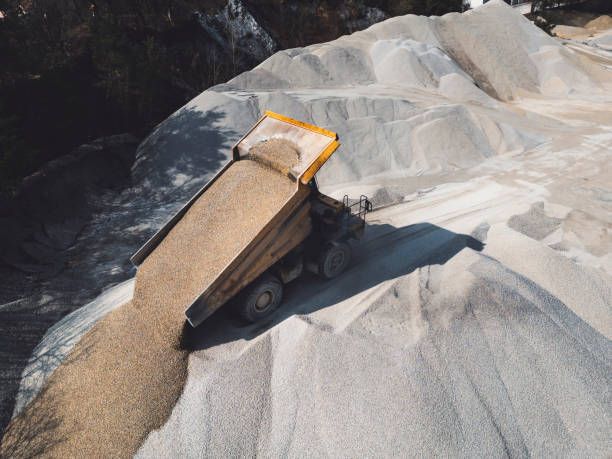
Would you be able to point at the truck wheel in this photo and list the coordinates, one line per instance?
(261, 298)
(334, 260)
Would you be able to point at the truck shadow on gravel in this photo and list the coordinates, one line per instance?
(386, 252)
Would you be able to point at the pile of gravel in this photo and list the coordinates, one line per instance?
(278, 154)
(123, 378)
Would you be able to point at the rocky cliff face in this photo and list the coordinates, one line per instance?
(248, 32)
(234, 27)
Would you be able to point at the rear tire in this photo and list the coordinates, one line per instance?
(261, 298)
(334, 260)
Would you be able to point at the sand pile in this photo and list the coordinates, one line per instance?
(603, 22)
(520, 58)
(278, 154)
(428, 346)
(431, 343)
(123, 378)
(491, 47)
(376, 89)
(591, 29)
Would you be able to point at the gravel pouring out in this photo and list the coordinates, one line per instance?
(123, 378)
(278, 154)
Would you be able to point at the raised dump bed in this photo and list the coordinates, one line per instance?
(247, 230)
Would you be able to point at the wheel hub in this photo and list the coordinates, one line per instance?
(336, 261)
(264, 300)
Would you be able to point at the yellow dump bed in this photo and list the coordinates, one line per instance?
(271, 232)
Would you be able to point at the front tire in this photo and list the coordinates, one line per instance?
(261, 298)
(334, 259)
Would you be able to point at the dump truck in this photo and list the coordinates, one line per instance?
(309, 231)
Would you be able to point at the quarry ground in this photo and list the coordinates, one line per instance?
(431, 332)
(476, 319)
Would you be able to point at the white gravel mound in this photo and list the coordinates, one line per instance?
(428, 346)
(384, 82)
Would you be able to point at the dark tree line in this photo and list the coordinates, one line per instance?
(74, 70)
